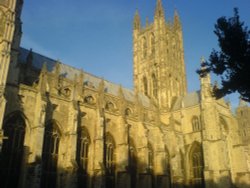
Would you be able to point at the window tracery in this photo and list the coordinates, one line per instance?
(83, 141)
(50, 155)
(150, 157)
(110, 160)
(12, 150)
(197, 166)
(132, 162)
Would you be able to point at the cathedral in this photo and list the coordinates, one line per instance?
(64, 127)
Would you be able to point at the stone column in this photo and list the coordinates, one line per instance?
(7, 22)
(98, 166)
(2, 110)
(38, 131)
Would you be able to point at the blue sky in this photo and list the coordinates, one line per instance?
(96, 35)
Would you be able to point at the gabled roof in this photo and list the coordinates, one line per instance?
(191, 99)
(89, 79)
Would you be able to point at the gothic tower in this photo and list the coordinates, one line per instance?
(159, 69)
(10, 35)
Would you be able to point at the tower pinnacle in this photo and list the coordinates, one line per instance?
(159, 11)
(137, 21)
(177, 22)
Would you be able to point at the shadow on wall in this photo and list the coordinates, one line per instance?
(31, 173)
(100, 178)
(47, 172)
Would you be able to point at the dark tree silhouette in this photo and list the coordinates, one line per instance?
(232, 62)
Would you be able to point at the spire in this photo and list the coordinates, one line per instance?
(177, 22)
(205, 82)
(137, 21)
(159, 11)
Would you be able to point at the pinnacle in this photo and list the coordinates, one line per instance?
(159, 9)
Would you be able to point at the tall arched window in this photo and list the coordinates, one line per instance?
(145, 86)
(144, 47)
(110, 160)
(150, 157)
(167, 168)
(83, 141)
(197, 167)
(132, 163)
(50, 155)
(12, 151)
(154, 83)
(165, 179)
(196, 123)
(152, 42)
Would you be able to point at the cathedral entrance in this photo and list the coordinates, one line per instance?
(12, 151)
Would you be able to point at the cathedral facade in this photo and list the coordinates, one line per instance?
(63, 127)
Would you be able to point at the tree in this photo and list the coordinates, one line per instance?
(232, 62)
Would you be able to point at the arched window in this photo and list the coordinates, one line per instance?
(152, 42)
(165, 181)
(132, 162)
(144, 47)
(50, 155)
(145, 86)
(83, 141)
(155, 88)
(110, 106)
(128, 112)
(197, 166)
(110, 160)
(150, 157)
(167, 167)
(196, 124)
(12, 151)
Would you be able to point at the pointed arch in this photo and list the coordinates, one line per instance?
(12, 150)
(167, 163)
(196, 165)
(128, 112)
(82, 156)
(50, 153)
(150, 157)
(110, 147)
(132, 162)
(165, 180)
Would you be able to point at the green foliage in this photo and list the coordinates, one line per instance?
(232, 62)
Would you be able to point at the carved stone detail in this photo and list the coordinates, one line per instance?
(2, 23)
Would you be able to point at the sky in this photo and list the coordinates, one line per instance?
(96, 35)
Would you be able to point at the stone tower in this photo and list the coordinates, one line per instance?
(159, 69)
(10, 35)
